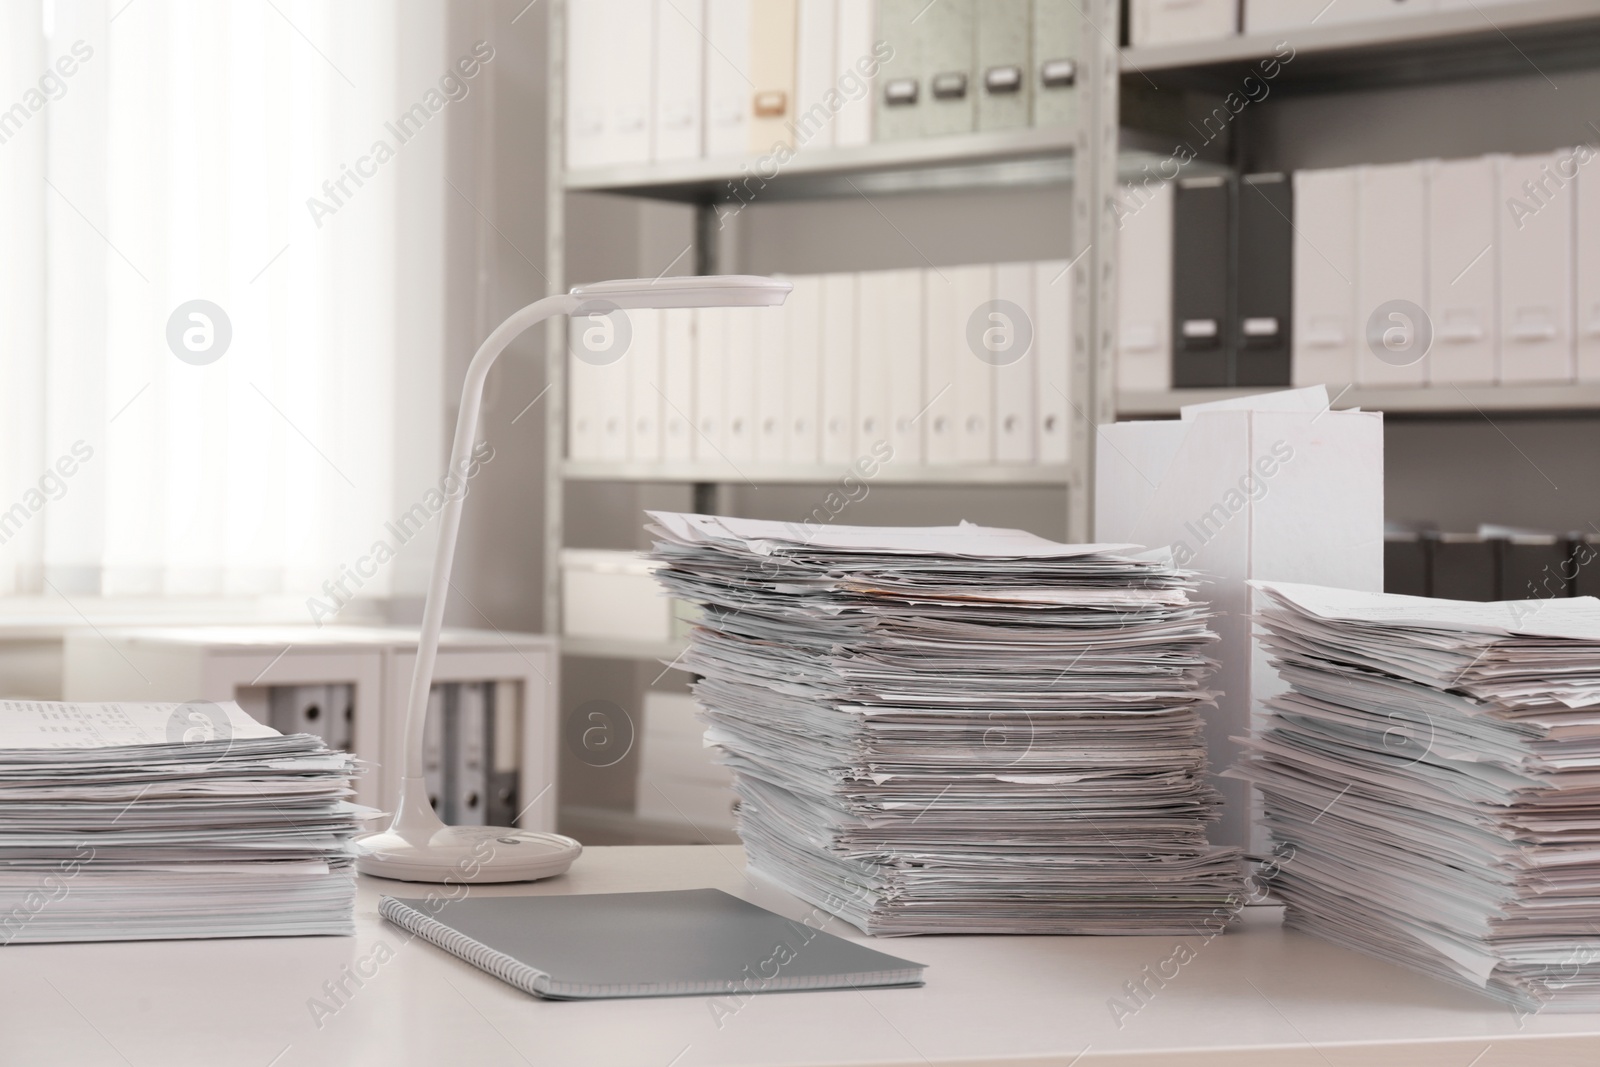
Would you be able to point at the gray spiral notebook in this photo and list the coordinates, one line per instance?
(680, 943)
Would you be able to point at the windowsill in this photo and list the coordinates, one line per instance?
(44, 618)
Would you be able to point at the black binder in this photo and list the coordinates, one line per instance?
(1465, 567)
(1405, 562)
(1530, 567)
(1582, 565)
(1201, 332)
(1263, 283)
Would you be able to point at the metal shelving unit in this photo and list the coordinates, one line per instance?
(1477, 41)
(1481, 40)
(1435, 400)
(1085, 162)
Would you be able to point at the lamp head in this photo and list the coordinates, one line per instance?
(695, 291)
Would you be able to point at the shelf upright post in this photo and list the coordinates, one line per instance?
(709, 498)
(555, 331)
(1094, 237)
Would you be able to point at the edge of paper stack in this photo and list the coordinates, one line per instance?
(135, 821)
(957, 729)
(1432, 779)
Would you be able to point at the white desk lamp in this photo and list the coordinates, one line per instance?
(418, 847)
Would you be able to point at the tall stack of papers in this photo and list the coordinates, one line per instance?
(957, 729)
(137, 821)
(1433, 780)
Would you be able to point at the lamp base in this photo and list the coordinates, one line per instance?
(417, 847)
(467, 854)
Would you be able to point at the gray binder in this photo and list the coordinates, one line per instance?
(687, 942)
(947, 48)
(1202, 352)
(899, 90)
(505, 711)
(1055, 63)
(467, 742)
(1263, 274)
(1005, 87)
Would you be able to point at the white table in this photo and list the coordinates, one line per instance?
(1256, 996)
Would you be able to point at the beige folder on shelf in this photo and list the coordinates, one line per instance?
(772, 72)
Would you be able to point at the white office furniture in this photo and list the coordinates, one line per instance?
(244, 662)
(679, 780)
(1257, 997)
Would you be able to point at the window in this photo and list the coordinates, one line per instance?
(220, 309)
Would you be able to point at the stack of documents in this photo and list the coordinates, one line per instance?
(139, 821)
(1432, 778)
(957, 729)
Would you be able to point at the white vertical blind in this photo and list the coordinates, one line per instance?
(175, 163)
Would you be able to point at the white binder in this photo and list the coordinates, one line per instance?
(1371, 10)
(1144, 289)
(838, 344)
(587, 71)
(1014, 373)
(1053, 341)
(1267, 16)
(855, 26)
(1156, 22)
(814, 74)
(469, 757)
(742, 366)
(677, 384)
(974, 319)
(643, 364)
(679, 75)
(1588, 279)
(710, 383)
(1325, 331)
(1462, 211)
(1391, 265)
(803, 369)
(907, 360)
(875, 292)
(1536, 239)
(943, 341)
(772, 385)
(599, 427)
(626, 40)
(727, 85)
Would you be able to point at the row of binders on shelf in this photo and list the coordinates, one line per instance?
(657, 80)
(1492, 563)
(470, 758)
(327, 711)
(944, 365)
(1435, 272)
(1205, 288)
(1159, 22)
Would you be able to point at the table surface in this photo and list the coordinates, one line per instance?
(1257, 995)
